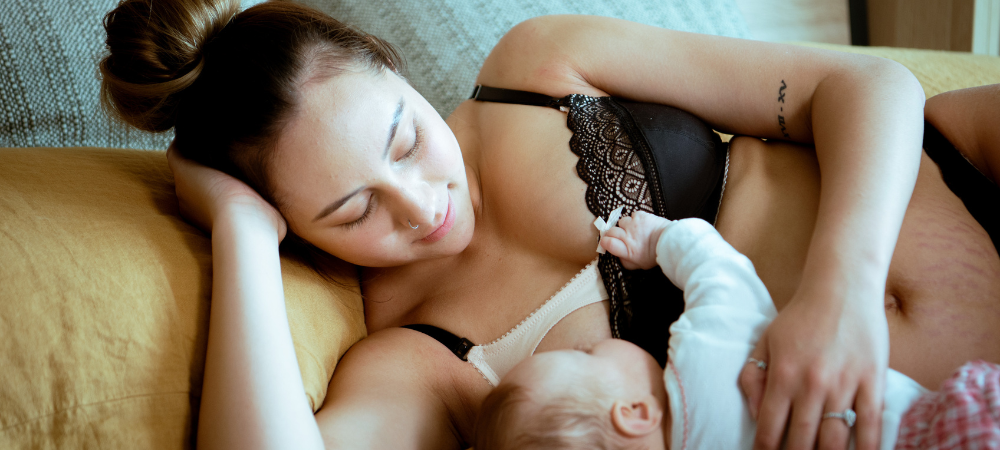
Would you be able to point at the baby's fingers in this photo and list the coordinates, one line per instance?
(617, 247)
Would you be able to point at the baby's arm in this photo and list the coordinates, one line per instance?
(693, 256)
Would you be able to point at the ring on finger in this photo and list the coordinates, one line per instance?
(760, 364)
(848, 416)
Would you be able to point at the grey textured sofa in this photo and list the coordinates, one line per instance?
(49, 51)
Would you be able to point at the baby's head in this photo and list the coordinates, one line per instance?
(610, 397)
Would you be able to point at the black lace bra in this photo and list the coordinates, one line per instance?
(645, 157)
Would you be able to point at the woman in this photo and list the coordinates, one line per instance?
(470, 224)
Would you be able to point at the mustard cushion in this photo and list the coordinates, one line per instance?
(104, 302)
(938, 71)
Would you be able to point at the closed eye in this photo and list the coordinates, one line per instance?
(364, 217)
(418, 141)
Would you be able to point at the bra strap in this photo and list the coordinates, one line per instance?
(501, 95)
(459, 346)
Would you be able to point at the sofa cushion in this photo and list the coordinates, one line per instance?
(104, 302)
(938, 71)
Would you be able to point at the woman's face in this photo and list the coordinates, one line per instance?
(365, 157)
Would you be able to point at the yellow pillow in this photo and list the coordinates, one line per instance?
(938, 71)
(104, 302)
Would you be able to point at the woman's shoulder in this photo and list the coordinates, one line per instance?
(394, 350)
(401, 379)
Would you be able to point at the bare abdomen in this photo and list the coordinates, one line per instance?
(943, 289)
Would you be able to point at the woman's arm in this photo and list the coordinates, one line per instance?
(252, 395)
(828, 348)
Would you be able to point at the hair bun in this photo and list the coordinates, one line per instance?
(156, 51)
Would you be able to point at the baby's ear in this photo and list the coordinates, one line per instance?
(637, 418)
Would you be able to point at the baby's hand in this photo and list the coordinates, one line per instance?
(634, 240)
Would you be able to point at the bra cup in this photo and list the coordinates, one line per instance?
(685, 162)
(682, 174)
(688, 157)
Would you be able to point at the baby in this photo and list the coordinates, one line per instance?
(614, 395)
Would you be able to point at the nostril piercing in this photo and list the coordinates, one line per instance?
(411, 225)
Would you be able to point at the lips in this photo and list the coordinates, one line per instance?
(441, 231)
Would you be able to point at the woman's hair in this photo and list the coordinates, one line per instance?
(581, 419)
(226, 81)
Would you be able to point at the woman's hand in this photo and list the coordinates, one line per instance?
(204, 193)
(823, 355)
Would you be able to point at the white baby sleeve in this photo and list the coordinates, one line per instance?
(727, 307)
(694, 257)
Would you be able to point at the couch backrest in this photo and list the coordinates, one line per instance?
(49, 50)
(445, 42)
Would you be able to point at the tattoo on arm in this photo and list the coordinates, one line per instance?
(781, 99)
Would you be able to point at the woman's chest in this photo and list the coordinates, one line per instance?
(534, 232)
(532, 193)
(540, 298)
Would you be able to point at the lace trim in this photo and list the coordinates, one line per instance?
(612, 166)
(535, 312)
(609, 161)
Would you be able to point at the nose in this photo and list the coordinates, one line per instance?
(416, 204)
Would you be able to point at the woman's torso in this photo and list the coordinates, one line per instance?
(534, 232)
(943, 289)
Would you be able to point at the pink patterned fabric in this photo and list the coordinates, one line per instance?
(963, 414)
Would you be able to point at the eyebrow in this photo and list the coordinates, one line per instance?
(396, 116)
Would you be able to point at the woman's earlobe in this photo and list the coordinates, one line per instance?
(636, 418)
